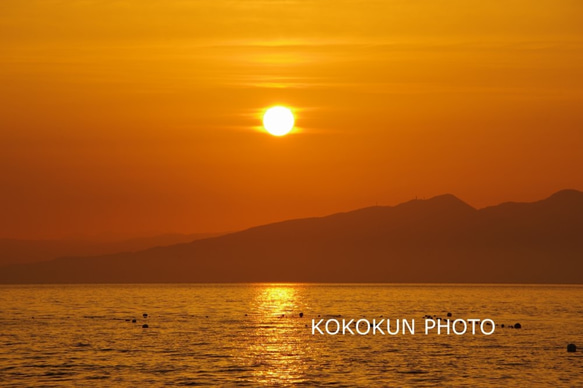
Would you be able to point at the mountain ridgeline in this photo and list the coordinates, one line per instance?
(439, 240)
(14, 251)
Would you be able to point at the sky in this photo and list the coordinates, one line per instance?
(141, 117)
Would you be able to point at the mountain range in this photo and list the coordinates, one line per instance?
(17, 251)
(438, 240)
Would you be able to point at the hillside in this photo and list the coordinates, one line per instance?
(441, 239)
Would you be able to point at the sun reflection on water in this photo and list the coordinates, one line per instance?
(278, 349)
(275, 300)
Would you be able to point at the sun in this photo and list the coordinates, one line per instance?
(278, 120)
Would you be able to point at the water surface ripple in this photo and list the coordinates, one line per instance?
(252, 335)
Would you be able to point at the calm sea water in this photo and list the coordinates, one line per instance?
(79, 335)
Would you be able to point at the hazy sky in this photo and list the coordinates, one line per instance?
(144, 116)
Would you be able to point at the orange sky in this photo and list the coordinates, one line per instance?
(143, 116)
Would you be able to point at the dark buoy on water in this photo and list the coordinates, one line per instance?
(145, 315)
(517, 326)
(449, 314)
(145, 326)
(571, 348)
(301, 315)
(134, 320)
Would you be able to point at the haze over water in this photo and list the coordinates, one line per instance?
(77, 335)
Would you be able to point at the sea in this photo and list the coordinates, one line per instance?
(263, 335)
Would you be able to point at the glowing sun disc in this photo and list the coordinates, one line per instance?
(278, 120)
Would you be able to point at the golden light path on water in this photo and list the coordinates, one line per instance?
(277, 346)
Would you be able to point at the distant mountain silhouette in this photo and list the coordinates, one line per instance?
(439, 240)
(14, 251)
